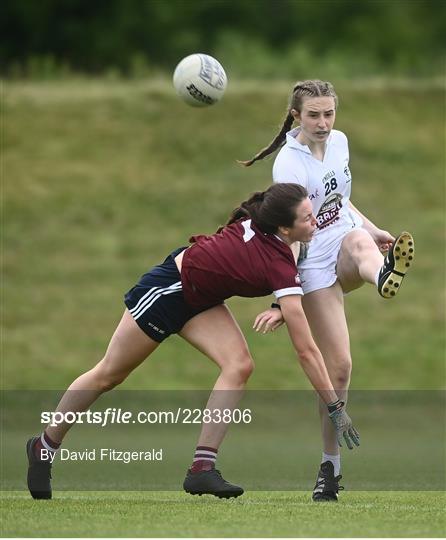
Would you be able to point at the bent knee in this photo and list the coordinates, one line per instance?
(108, 382)
(359, 241)
(340, 372)
(247, 368)
(106, 379)
(240, 368)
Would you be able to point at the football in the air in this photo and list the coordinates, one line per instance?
(200, 80)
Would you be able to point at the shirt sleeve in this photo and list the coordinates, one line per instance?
(288, 291)
(285, 279)
(287, 169)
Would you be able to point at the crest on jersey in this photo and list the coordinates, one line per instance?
(347, 172)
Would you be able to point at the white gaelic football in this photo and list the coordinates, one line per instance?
(200, 80)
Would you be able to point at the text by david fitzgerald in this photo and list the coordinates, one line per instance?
(104, 454)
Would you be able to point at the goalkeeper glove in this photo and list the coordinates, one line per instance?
(343, 424)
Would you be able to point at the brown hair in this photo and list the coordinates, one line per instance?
(302, 89)
(272, 208)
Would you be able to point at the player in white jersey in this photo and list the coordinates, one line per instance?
(328, 183)
(345, 252)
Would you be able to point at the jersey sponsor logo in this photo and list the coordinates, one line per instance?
(329, 212)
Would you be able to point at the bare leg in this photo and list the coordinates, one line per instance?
(359, 260)
(216, 334)
(129, 346)
(325, 312)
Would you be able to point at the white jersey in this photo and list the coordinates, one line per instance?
(328, 183)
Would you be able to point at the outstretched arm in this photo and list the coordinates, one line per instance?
(312, 363)
(308, 353)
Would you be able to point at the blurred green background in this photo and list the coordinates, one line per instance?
(105, 170)
(253, 38)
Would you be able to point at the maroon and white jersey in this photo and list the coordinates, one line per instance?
(238, 261)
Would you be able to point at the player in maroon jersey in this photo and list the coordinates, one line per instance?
(250, 256)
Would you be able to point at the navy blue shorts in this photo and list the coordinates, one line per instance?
(157, 303)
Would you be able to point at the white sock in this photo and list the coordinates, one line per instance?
(377, 277)
(336, 460)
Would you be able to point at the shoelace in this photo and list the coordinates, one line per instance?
(330, 485)
(337, 478)
(219, 474)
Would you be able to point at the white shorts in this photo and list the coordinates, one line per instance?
(313, 279)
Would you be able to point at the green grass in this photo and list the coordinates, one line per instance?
(102, 179)
(282, 441)
(255, 514)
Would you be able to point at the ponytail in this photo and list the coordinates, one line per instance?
(247, 208)
(275, 144)
(302, 89)
(270, 209)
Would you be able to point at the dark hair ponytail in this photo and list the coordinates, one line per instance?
(247, 207)
(271, 209)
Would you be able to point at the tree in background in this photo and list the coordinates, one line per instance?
(254, 37)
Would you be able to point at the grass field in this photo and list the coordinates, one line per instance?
(101, 179)
(255, 514)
